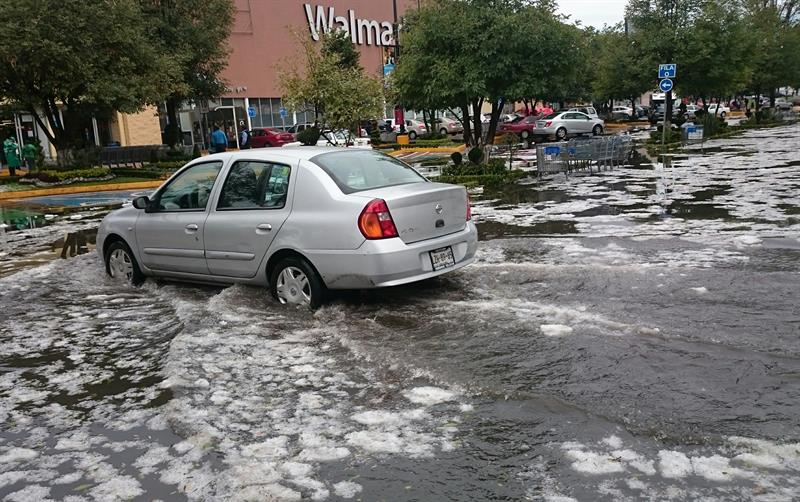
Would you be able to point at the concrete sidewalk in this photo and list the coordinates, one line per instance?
(106, 187)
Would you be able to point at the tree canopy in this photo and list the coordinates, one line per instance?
(80, 56)
(329, 81)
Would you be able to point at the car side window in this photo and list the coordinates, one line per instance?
(255, 185)
(190, 190)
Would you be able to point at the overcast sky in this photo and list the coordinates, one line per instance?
(594, 12)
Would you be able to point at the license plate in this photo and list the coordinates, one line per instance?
(442, 258)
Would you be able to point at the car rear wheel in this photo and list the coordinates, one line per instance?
(597, 130)
(412, 135)
(121, 264)
(722, 115)
(561, 133)
(295, 282)
(525, 134)
(443, 131)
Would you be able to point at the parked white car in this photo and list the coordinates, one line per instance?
(588, 110)
(723, 110)
(300, 221)
(338, 138)
(415, 128)
(564, 124)
(446, 125)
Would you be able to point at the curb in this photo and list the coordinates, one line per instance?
(82, 189)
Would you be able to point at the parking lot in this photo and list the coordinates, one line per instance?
(627, 335)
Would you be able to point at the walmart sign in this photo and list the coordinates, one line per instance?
(362, 31)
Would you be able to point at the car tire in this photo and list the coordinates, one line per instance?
(525, 134)
(121, 264)
(597, 130)
(561, 134)
(443, 131)
(412, 135)
(722, 115)
(295, 282)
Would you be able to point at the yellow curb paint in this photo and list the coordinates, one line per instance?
(443, 149)
(82, 189)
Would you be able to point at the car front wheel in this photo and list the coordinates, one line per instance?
(525, 134)
(121, 264)
(561, 133)
(295, 282)
(598, 130)
(443, 131)
(412, 135)
(722, 115)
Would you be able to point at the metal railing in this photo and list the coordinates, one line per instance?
(603, 152)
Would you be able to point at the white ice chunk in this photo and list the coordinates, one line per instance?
(555, 330)
(347, 489)
(428, 396)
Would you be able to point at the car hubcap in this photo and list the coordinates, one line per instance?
(120, 264)
(293, 287)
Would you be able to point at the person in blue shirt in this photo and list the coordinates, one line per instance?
(219, 141)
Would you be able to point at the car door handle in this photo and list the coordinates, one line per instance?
(192, 227)
(264, 226)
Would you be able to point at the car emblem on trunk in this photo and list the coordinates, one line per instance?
(438, 209)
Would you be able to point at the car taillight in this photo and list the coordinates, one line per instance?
(376, 222)
(469, 209)
(548, 123)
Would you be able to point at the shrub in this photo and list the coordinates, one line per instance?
(309, 137)
(432, 136)
(457, 158)
(53, 176)
(475, 155)
(494, 167)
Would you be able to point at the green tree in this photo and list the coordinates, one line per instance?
(658, 31)
(74, 56)
(715, 58)
(463, 53)
(341, 95)
(338, 44)
(775, 27)
(193, 34)
(618, 75)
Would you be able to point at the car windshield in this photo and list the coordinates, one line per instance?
(552, 115)
(515, 120)
(357, 170)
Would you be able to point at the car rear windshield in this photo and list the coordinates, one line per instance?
(357, 170)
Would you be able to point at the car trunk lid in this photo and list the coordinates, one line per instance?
(423, 210)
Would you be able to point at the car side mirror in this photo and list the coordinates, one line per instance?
(141, 202)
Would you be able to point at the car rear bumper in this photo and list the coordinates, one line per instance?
(391, 262)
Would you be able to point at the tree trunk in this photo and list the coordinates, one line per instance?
(478, 125)
(467, 125)
(497, 108)
(172, 131)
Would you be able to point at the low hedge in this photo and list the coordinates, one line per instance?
(8, 180)
(53, 176)
(494, 167)
(145, 173)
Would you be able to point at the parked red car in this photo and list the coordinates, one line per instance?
(523, 126)
(262, 137)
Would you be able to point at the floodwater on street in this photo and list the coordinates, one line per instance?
(627, 335)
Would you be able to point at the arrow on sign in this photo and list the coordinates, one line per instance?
(665, 85)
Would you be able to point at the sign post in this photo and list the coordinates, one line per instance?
(283, 113)
(666, 72)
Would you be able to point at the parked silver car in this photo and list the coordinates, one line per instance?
(563, 124)
(298, 220)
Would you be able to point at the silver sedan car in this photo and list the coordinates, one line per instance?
(299, 221)
(569, 123)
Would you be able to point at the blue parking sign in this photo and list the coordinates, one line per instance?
(552, 150)
(665, 85)
(251, 111)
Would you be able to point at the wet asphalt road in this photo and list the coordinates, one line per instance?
(632, 335)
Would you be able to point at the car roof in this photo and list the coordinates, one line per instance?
(292, 152)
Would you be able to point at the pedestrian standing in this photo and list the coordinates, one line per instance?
(219, 141)
(244, 139)
(11, 149)
(29, 152)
